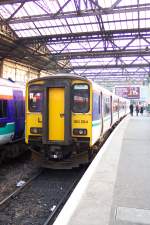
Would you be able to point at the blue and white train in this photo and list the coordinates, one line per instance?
(12, 117)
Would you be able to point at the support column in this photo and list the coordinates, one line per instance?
(39, 74)
(1, 68)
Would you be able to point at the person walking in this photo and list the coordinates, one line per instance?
(131, 109)
(137, 110)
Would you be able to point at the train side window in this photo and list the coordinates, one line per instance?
(3, 108)
(80, 98)
(35, 100)
(115, 105)
(96, 106)
(106, 105)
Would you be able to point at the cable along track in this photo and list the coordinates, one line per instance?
(39, 201)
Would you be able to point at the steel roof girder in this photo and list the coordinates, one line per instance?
(102, 54)
(61, 15)
(4, 2)
(91, 35)
(109, 66)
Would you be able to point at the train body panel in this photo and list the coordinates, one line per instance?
(115, 108)
(67, 114)
(12, 111)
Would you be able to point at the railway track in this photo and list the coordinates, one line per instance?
(40, 199)
(50, 219)
(18, 190)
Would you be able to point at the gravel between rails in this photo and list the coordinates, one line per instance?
(21, 168)
(38, 200)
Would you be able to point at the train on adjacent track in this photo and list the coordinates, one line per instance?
(12, 117)
(66, 116)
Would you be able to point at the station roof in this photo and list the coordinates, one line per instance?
(105, 40)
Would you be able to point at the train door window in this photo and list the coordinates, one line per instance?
(106, 105)
(35, 100)
(3, 108)
(80, 98)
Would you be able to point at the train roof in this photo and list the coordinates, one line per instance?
(60, 75)
(100, 88)
(10, 83)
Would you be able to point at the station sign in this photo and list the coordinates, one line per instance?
(128, 92)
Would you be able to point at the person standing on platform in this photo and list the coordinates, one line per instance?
(131, 109)
(141, 110)
(137, 110)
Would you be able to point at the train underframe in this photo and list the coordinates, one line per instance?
(64, 157)
(12, 150)
(67, 156)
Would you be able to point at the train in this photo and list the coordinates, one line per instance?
(66, 116)
(12, 118)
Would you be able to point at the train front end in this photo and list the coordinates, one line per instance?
(58, 120)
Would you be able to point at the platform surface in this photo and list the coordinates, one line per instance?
(115, 190)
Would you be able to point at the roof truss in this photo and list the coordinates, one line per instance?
(79, 35)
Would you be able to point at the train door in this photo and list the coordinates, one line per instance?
(107, 119)
(19, 112)
(96, 117)
(56, 111)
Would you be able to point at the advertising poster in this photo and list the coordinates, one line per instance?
(128, 92)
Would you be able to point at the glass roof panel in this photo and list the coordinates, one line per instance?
(7, 10)
(48, 6)
(106, 3)
(51, 23)
(69, 7)
(29, 8)
(20, 26)
(27, 33)
(49, 31)
(129, 2)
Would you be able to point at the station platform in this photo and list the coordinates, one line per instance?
(115, 189)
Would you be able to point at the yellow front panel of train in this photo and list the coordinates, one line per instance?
(56, 98)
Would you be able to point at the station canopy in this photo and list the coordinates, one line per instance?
(105, 40)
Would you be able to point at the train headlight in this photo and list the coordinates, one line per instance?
(80, 131)
(35, 130)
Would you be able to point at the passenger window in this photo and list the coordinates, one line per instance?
(3, 108)
(80, 98)
(106, 105)
(35, 100)
(96, 106)
(115, 105)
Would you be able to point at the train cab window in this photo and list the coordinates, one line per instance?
(80, 98)
(3, 108)
(35, 100)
